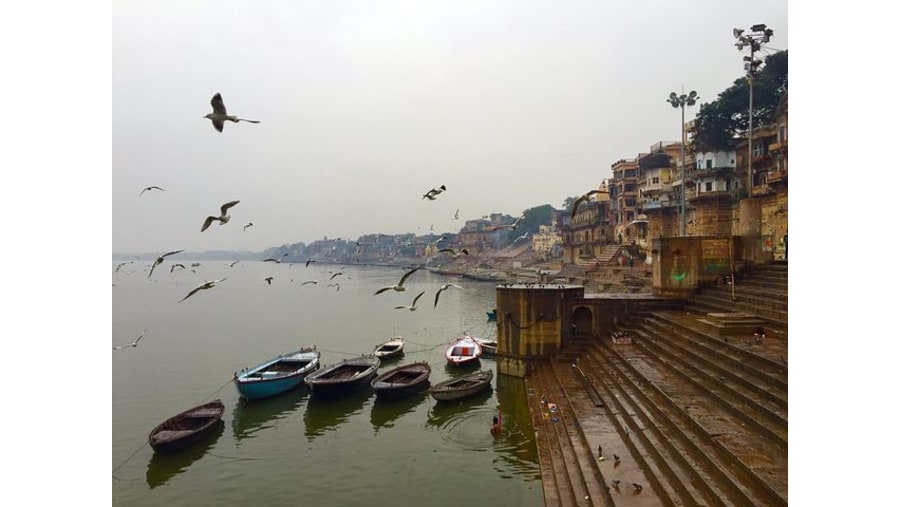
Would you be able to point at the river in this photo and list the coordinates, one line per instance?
(294, 449)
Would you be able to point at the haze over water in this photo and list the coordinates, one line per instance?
(292, 449)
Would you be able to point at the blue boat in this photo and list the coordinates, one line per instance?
(277, 375)
(492, 315)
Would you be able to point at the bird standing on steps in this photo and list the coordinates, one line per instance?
(223, 218)
(220, 115)
(637, 487)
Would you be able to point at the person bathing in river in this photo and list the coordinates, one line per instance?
(497, 424)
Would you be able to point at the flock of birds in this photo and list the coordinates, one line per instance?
(218, 117)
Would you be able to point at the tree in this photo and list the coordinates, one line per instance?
(720, 122)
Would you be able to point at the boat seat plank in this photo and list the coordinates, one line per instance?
(166, 435)
(203, 413)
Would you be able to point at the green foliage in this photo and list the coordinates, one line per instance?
(718, 123)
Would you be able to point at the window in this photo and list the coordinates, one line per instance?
(709, 163)
(655, 180)
(709, 186)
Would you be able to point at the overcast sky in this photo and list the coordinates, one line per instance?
(364, 106)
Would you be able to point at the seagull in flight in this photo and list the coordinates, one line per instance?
(509, 226)
(433, 193)
(336, 273)
(411, 307)
(176, 266)
(309, 281)
(161, 258)
(233, 263)
(248, 225)
(309, 261)
(269, 279)
(399, 286)
(132, 344)
(202, 286)
(220, 115)
(456, 215)
(524, 236)
(442, 289)
(223, 218)
(336, 286)
(151, 188)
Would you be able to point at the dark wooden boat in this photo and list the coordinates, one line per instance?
(402, 381)
(343, 378)
(186, 428)
(462, 387)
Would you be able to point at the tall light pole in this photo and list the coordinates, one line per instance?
(758, 35)
(681, 101)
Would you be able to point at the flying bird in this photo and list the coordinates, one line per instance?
(161, 258)
(176, 266)
(524, 236)
(132, 344)
(233, 263)
(453, 252)
(456, 215)
(442, 289)
(269, 279)
(151, 188)
(272, 259)
(433, 193)
(202, 286)
(309, 281)
(399, 286)
(335, 274)
(248, 225)
(309, 261)
(336, 286)
(220, 115)
(411, 307)
(509, 226)
(120, 265)
(223, 218)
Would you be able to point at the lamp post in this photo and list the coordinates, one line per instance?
(758, 35)
(679, 101)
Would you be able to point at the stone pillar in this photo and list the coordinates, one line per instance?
(532, 323)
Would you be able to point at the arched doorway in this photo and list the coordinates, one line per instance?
(582, 321)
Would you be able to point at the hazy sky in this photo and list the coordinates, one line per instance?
(366, 105)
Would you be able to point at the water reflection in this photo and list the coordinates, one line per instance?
(162, 467)
(443, 412)
(252, 416)
(326, 414)
(385, 412)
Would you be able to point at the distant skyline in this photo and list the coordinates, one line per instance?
(365, 106)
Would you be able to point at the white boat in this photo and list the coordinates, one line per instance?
(488, 347)
(390, 349)
(463, 351)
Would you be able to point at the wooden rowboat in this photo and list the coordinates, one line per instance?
(462, 387)
(402, 381)
(277, 375)
(390, 349)
(463, 351)
(343, 378)
(186, 428)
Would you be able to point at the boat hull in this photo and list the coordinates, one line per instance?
(402, 381)
(187, 428)
(277, 375)
(343, 378)
(462, 387)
